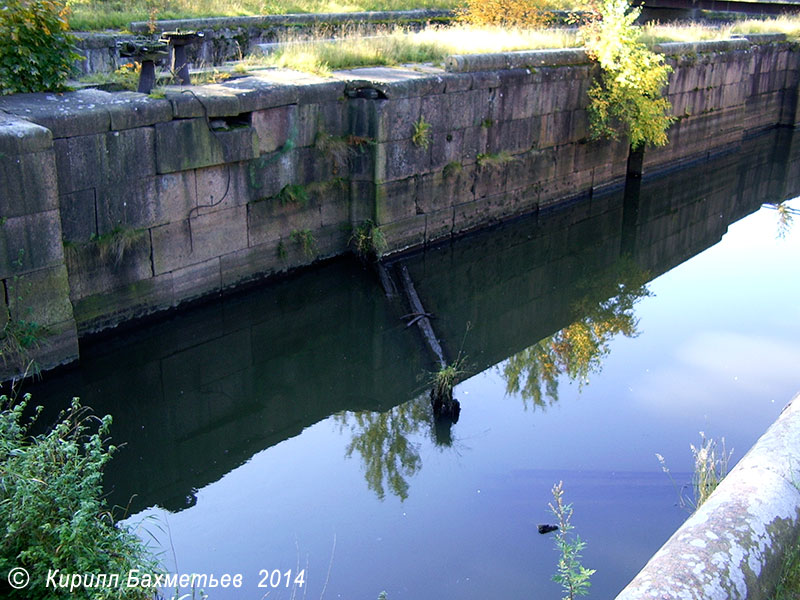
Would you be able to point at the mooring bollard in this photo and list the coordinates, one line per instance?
(147, 52)
(178, 40)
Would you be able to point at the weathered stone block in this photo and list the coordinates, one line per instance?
(30, 242)
(40, 296)
(81, 162)
(322, 162)
(104, 159)
(333, 198)
(362, 201)
(101, 311)
(28, 183)
(400, 160)
(130, 155)
(490, 179)
(196, 281)
(110, 263)
(176, 194)
(78, 216)
(177, 245)
(436, 191)
(438, 225)
(395, 200)
(480, 212)
(271, 220)
(513, 136)
(407, 233)
(270, 173)
(331, 240)
(448, 147)
(251, 263)
(132, 205)
(395, 119)
(274, 127)
(222, 186)
(189, 144)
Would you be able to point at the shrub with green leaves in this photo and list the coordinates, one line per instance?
(52, 512)
(627, 99)
(36, 52)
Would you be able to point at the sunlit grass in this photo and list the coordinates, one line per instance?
(395, 47)
(117, 14)
(788, 24)
(656, 33)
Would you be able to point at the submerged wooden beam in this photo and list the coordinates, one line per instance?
(423, 322)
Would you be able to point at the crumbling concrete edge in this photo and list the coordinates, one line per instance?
(733, 547)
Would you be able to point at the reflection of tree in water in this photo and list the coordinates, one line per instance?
(578, 350)
(785, 217)
(389, 457)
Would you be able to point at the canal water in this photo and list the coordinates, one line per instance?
(287, 428)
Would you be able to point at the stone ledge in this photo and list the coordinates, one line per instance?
(461, 63)
(85, 112)
(677, 48)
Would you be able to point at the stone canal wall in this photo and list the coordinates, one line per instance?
(119, 205)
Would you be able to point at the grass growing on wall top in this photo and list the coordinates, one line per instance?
(115, 14)
(397, 46)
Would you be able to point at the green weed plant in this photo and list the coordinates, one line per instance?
(52, 511)
(573, 577)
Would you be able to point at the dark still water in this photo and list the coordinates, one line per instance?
(289, 428)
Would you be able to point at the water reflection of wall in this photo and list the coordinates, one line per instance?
(199, 394)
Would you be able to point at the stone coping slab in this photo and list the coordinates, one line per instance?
(87, 111)
(675, 48)
(19, 136)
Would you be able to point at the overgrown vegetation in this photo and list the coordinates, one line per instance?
(36, 52)
(710, 466)
(627, 100)
(368, 241)
(573, 577)
(514, 13)
(52, 511)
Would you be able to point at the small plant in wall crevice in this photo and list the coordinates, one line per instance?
(368, 241)
(422, 133)
(305, 238)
